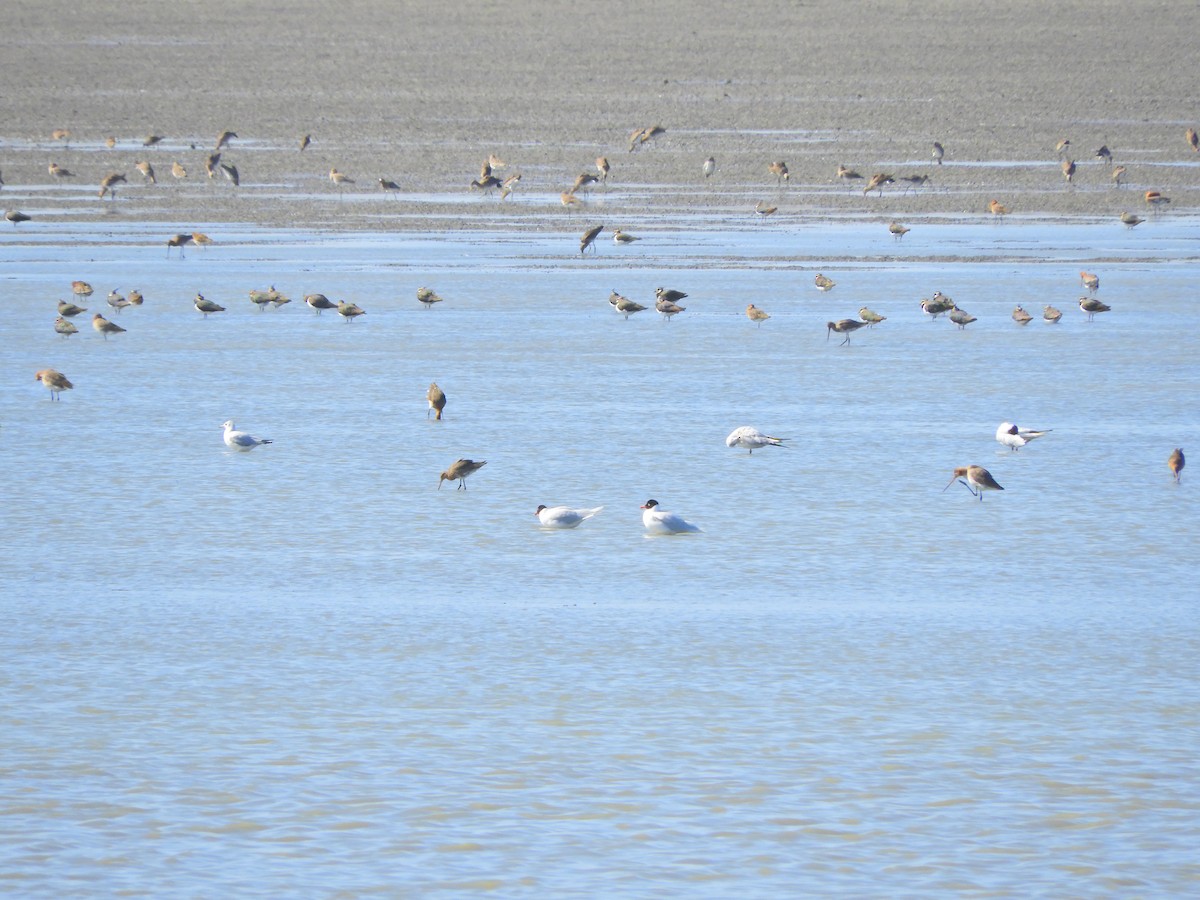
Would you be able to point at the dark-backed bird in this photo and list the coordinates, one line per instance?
(105, 327)
(349, 311)
(459, 470)
(428, 296)
(589, 238)
(54, 381)
(319, 302)
(843, 326)
(436, 398)
(977, 480)
(1176, 462)
(1091, 306)
(206, 306)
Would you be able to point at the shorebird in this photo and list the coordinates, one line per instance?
(279, 299)
(1131, 219)
(656, 521)
(16, 216)
(754, 314)
(178, 171)
(459, 470)
(588, 239)
(646, 134)
(978, 480)
(1068, 169)
(386, 185)
(1092, 306)
(824, 284)
(763, 210)
(843, 326)
(1176, 462)
(436, 398)
(135, 298)
(710, 166)
(668, 308)
(898, 230)
(1051, 314)
(261, 298)
(495, 162)
(62, 134)
(58, 171)
(231, 174)
(110, 142)
(147, 171)
(625, 306)
(81, 288)
(669, 296)
(564, 516)
(211, 163)
(63, 327)
(937, 305)
(996, 208)
(1118, 173)
(1020, 316)
(846, 175)
(304, 142)
(105, 327)
(752, 439)
(1193, 140)
(319, 302)
(349, 311)
(207, 306)
(509, 185)
(428, 296)
(569, 200)
(1015, 438)
(486, 183)
(69, 309)
(869, 316)
(876, 183)
(223, 138)
(180, 241)
(109, 185)
(201, 240)
(116, 301)
(1155, 199)
(961, 318)
(240, 440)
(583, 181)
(914, 181)
(56, 382)
(779, 170)
(1104, 154)
(620, 237)
(1090, 281)
(151, 139)
(938, 152)
(1062, 146)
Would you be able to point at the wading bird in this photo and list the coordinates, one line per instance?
(459, 470)
(977, 480)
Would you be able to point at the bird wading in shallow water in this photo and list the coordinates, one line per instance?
(1176, 462)
(459, 470)
(976, 479)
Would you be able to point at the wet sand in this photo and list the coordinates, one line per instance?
(422, 94)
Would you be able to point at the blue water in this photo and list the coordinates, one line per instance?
(306, 671)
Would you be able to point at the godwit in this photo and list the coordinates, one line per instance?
(938, 152)
(869, 316)
(583, 181)
(436, 398)
(62, 134)
(1015, 438)
(1068, 169)
(211, 163)
(109, 185)
(349, 311)
(898, 230)
(1155, 199)
(844, 326)
(428, 296)
(147, 171)
(207, 306)
(878, 180)
(1176, 462)
(178, 171)
(231, 174)
(486, 183)
(824, 284)
(756, 315)
(1090, 281)
(1092, 306)
(135, 298)
(763, 210)
(304, 142)
(564, 516)
(386, 185)
(1062, 146)
(1104, 154)
(63, 327)
(241, 440)
(710, 166)
(1131, 219)
(996, 208)
(509, 185)
(846, 175)
(54, 381)
(201, 240)
(16, 216)
(961, 318)
(978, 480)
(588, 239)
(459, 470)
(151, 139)
(1118, 173)
(81, 288)
(752, 439)
(1051, 314)
(1020, 316)
(569, 200)
(223, 138)
(319, 302)
(69, 309)
(656, 521)
(180, 241)
(105, 327)
(620, 237)
(1193, 140)
(914, 181)
(779, 170)
(58, 171)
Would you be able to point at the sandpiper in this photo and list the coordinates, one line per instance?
(54, 381)
(844, 326)
(147, 171)
(81, 288)
(135, 298)
(1129, 220)
(223, 138)
(996, 208)
(898, 230)
(62, 134)
(583, 181)
(178, 171)
(876, 183)
(1118, 173)
(847, 175)
(1104, 154)
(386, 185)
(459, 470)
(780, 170)
(710, 166)
(304, 142)
(620, 237)
(763, 209)
(180, 241)
(914, 181)
(938, 152)
(509, 185)
(58, 171)
(1068, 169)
(569, 200)
(1193, 140)
(978, 480)
(436, 398)
(109, 185)
(1062, 146)
(588, 239)
(201, 240)
(231, 174)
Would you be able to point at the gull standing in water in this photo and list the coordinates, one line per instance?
(752, 439)
(978, 480)
(240, 440)
(563, 516)
(656, 521)
(1011, 436)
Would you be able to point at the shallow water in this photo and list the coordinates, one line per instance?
(307, 671)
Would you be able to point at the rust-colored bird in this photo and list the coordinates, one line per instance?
(898, 230)
(1193, 140)
(1176, 462)
(81, 288)
(436, 398)
(200, 239)
(996, 208)
(1068, 169)
(779, 170)
(876, 183)
(54, 381)
(109, 185)
(177, 170)
(147, 171)
(603, 167)
(1090, 281)
(756, 315)
(1118, 173)
(459, 470)
(977, 480)
(589, 238)
(1129, 220)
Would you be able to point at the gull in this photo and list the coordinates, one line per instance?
(63, 327)
(59, 172)
(710, 166)
(459, 470)
(1020, 316)
(1131, 219)
(620, 237)
(603, 168)
(16, 217)
(898, 230)
(656, 521)
(147, 171)
(869, 316)
(105, 327)
(754, 314)
(436, 398)
(56, 382)
(564, 516)
(223, 139)
(589, 238)
(70, 309)
(877, 182)
(1050, 314)
(81, 288)
(1092, 306)
(207, 306)
(1015, 438)
(240, 440)
(178, 171)
(428, 296)
(1176, 462)
(996, 208)
(843, 326)
(752, 439)
(779, 170)
(319, 302)
(349, 311)
(978, 480)
(938, 152)
(180, 241)
(1090, 281)
(961, 318)
(109, 185)
(824, 284)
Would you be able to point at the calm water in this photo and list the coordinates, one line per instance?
(305, 671)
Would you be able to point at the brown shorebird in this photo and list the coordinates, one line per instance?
(961, 318)
(81, 288)
(1104, 154)
(386, 185)
(756, 315)
(105, 327)
(509, 185)
(603, 167)
(349, 311)
(231, 174)
(824, 284)
(485, 170)
(62, 134)
(1090, 281)
(937, 305)
(459, 470)
(1193, 140)
(212, 162)
(978, 480)
(110, 142)
(261, 298)
(436, 398)
(486, 183)
(63, 327)
(223, 138)
(116, 301)
(876, 183)
(996, 208)
(177, 170)
(180, 241)
(583, 181)
(495, 162)
(620, 237)
(16, 216)
(428, 296)
(1068, 169)
(70, 309)
(54, 381)
(898, 230)
(588, 239)
(135, 298)
(319, 302)
(304, 142)
(201, 240)
(1129, 220)
(846, 175)
(938, 152)
(1155, 199)
(147, 171)
(869, 316)
(624, 305)
(710, 166)
(58, 171)
(1092, 306)
(1051, 314)
(1062, 146)
(569, 200)
(1176, 462)
(207, 306)
(914, 181)
(844, 326)
(779, 170)
(109, 185)
(1020, 316)
(1118, 173)
(151, 139)
(763, 210)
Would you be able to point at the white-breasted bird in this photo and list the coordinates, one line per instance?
(656, 521)
(563, 516)
(752, 439)
(240, 440)
(1014, 437)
